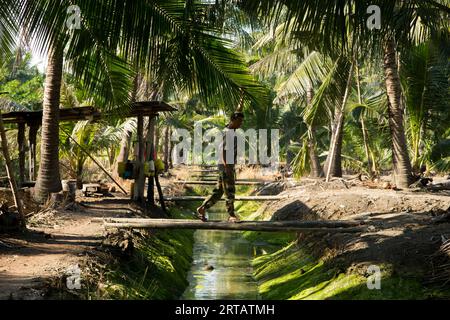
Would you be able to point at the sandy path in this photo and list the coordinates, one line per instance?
(27, 261)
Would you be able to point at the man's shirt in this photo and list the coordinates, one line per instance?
(228, 147)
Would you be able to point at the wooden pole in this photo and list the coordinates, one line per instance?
(32, 134)
(140, 181)
(12, 180)
(21, 145)
(211, 183)
(161, 195)
(150, 156)
(273, 226)
(297, 223)
(93, 159)
(237, 198)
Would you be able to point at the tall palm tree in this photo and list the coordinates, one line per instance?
(166, 37)
(48, 177)
(425, 74)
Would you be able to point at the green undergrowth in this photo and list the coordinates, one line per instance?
(291, 273)
(157, 268)
(247, 211)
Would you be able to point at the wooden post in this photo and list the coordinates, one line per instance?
(138, 195)
(32, 150)
(150, 143)
(166, 149)
(21, 145)
(12, 180)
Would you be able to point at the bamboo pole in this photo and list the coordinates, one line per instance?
(242, 183)
(238, 198)
(290, 223)
(270, 226)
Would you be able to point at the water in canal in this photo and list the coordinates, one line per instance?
(230, 256)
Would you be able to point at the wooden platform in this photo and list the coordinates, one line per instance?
(270, 226)
(237, 198)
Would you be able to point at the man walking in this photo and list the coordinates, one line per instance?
(227, 173)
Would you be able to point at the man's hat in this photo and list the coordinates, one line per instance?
(237, 115)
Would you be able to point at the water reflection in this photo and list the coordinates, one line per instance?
(221, 267)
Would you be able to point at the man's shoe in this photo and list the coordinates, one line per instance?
(233, 219)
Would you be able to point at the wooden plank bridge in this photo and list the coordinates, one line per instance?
(269, 226)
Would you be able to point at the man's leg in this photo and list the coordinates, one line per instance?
(230, 191)
(213, 198)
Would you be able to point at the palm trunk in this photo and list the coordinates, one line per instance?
(333, 164)
(402, 171)
(49, 180)
(316, 168)
(79, 174)
(363, 126)
(124, 149)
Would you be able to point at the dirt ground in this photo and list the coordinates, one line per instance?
(405, 231)
(56, 241)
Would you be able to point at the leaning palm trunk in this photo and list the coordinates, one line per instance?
(316, 168)
(402, 171)
(363, 126)
(333, 164)
(49, 180)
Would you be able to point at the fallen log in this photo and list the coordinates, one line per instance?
(237, 198)
(295, 223)
(270, 226)
(214, 182)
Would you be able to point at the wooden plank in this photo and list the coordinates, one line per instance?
(142, 108)
(238, 198)
(271, 226)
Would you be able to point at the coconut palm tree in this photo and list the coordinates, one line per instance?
(167, 38)
(306, 69)
(328, 22)
(425, 75)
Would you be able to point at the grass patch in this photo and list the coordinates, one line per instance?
(292, 273)
(156, 270)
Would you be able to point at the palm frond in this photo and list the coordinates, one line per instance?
(311, 71)
(330, 93)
